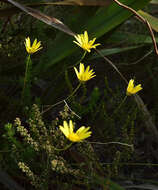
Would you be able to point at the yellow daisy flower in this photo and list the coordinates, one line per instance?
(84, 74)
(83, 42)
(131, 89)
(36, 46)
(68, 130)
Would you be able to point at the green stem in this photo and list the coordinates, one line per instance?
(62, 100)
(73, 91)
(84, 92)
(66, 147)
(78, 62)
(26, 71)
(117, 109)
(83, 56)
(119, 143)
(133, 164)
(27, 79)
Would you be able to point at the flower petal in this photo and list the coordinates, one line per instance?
(71, 126)
(83, 41)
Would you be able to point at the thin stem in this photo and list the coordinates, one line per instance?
(123, 144)
(78, 62)
(143, 20)
(83, 56)
(117, 109)
(62, 149)
(73, 91)
(26, 77)
(62, 101)
(139, 60)
(26, 70)
(84, 92)
(110, 62)
(3, 151)
(71, 110)
(133, 164)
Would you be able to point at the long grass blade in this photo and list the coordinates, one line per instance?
(112, 51)
(42, 17)
(84, 2)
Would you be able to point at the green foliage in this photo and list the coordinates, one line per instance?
(99, 23)
(34, 144)
(41, 159)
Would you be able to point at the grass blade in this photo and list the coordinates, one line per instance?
(44, 18)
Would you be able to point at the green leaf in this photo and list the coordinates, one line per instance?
(130, 38)
(151, 19)
(111, 51)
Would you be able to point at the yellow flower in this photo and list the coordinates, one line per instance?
(68, 130)
(36, 46)
(84, 74)
(131, 89)
(82, 41)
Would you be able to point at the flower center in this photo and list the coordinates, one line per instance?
(74, 137)
(86, 46)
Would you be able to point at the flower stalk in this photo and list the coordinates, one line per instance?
(31, 49)
(65, 148)
(83, 56)
(118, 108)
(26, 95)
